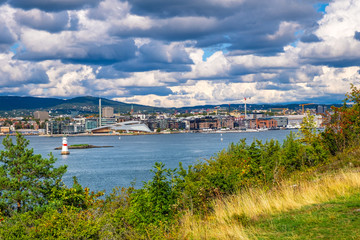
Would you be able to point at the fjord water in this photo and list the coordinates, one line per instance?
(132, 157)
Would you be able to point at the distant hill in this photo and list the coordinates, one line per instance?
(8, 103)
(81, 104)
(90, 104)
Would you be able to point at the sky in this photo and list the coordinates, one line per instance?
(181, 52)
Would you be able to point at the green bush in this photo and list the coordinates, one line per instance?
(155, 203)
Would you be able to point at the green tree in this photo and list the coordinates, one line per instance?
(343, 126)
(308, 132)
(26, 179)
(154, 203)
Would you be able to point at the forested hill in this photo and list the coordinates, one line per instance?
(91, 104)
(87, 104)
(8, 103)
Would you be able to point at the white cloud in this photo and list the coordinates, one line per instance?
(14, 73)
(336, 30)
(65, 80)
(147, 55)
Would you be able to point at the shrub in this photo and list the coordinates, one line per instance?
(155, 202)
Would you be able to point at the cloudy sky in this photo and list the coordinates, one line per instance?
(175, 53)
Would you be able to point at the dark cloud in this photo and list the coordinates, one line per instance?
(275, 86)
(329, 98)
(250, 26)
(86, 53)
(161, 53)
(158, 56)
(74, 22)
(138, 65)
(51, 22)
(25, 75)
(53, 5)
(310, 38)
(176, 29)
(337, 62)
(37, 76)
(5, 37)
(261, 44)
(105, 54)
(237, 69)
(357, 35)
(165, 9)
(303, 74)
(241, 69)
(109, 72)
(159, 91)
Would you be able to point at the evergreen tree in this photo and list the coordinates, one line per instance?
(26, 179)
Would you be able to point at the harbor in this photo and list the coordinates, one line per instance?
(131, 157)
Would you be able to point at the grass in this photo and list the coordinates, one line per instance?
(313, 207)
(79, 145)
(337, 219)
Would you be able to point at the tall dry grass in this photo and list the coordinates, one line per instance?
(232, 215)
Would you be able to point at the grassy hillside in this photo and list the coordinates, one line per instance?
(325, 207)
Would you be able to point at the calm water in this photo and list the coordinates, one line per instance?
(132, 157)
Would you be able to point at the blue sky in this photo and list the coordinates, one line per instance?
(180, 53)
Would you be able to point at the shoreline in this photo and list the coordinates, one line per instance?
(152, 133)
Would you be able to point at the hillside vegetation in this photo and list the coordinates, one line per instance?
(264, 190)
(82, 104)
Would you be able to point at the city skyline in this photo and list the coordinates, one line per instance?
(181, 53)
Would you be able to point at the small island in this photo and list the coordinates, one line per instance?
(83, 146)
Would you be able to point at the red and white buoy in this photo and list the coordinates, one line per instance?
(64, 149)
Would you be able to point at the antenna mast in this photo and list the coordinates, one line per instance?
(99, 112)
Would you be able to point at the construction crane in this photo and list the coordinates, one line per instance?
(302, 105)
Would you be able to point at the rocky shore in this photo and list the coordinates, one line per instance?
(83, 146)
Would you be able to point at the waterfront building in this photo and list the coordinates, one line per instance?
(139, 116)
(91, 123)
(321, 109)
(53, 127)
(5, 130)
(319, 121)
(152, 123)
(41, 115)
(204, 123)
(108, 121)
(129, 126)
(163, 123)
(226, 122)
(281, 121)
(255, 115)
(107, 112)
(294, 121)
(64, 127)
(261, 123)
(72, 128)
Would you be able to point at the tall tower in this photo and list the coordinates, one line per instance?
(99, 112)
(245, 106)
